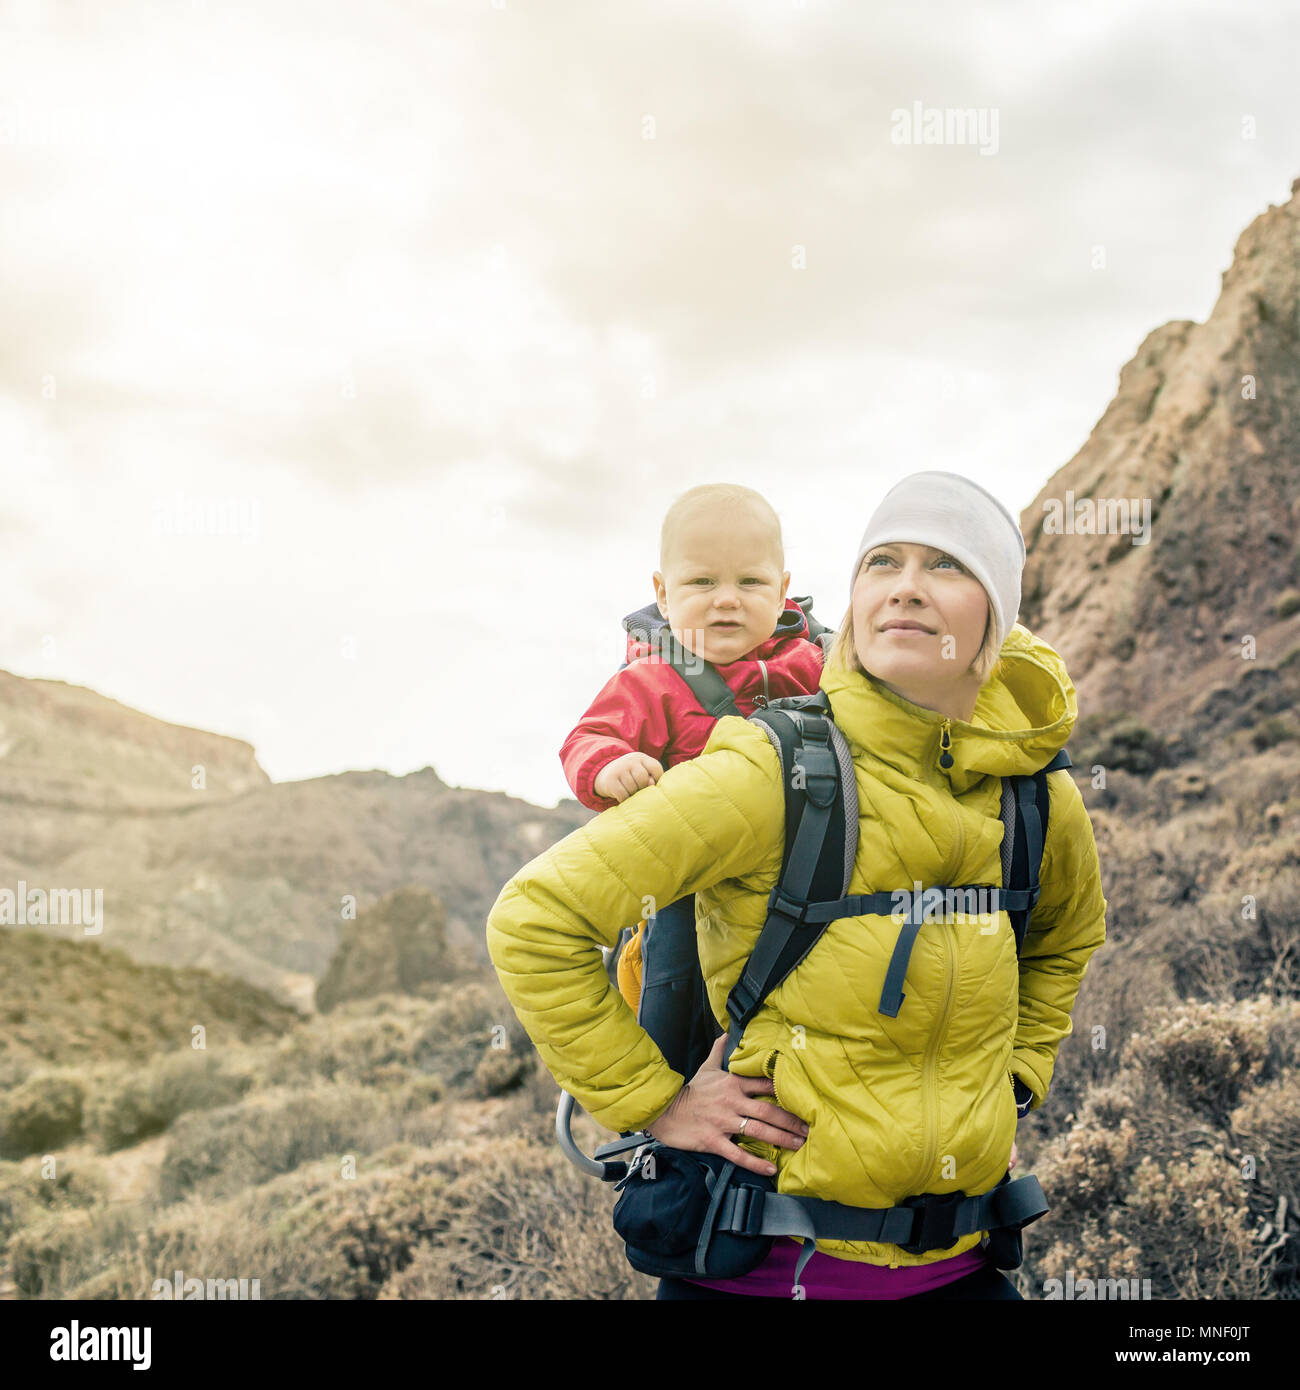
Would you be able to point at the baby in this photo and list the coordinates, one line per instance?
(721, 592)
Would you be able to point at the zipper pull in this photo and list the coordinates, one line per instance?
(945, 757)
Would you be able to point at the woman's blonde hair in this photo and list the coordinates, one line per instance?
(844, 650)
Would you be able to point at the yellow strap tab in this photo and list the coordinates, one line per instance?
(629, 968)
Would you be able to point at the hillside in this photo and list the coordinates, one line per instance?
(62, 1002)
(246, 876)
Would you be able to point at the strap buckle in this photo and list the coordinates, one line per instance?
(936, 1227)
(796, 909)
(743, 1215)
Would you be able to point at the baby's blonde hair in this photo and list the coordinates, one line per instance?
(843, 651)
(730, 500)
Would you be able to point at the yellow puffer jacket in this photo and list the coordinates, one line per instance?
(896, 1106)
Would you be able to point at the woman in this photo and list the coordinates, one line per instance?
(940, 694)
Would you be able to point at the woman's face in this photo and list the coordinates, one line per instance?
(904, 583)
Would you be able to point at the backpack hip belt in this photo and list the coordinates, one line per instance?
(687, 1213)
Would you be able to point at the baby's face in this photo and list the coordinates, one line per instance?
(722, 588)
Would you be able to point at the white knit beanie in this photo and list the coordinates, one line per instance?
(956, 515)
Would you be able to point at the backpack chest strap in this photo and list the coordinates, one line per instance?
(788, 915)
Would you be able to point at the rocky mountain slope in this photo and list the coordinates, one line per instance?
(1204, 433)
(243, 875)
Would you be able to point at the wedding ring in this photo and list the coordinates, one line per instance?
(743, 1123)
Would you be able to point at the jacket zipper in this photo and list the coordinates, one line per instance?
(959, 830)
(945, 743)
(929, 1091)
(762, 699)
(769, 1067)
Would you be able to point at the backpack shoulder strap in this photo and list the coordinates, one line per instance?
(821, 837)
(710, 690)
(1026, 802)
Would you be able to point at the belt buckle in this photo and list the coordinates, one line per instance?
(938, 1218)
(744, 1212)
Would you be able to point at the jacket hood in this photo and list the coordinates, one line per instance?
(1023, 715)
(644, 626)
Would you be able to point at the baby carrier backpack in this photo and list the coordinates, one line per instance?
(695, 1214)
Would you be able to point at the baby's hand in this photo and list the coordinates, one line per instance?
(617, 781)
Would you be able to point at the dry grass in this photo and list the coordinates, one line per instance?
(403, 1147)
(1151, 1181)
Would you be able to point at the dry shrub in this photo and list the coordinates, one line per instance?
(1267, 1127)
(42, 1113)
(522, 1224)
(500, 1071)
(50, 1254)
(477, 1218)
(1218, 953)
(1185, 1226)
(1149, 1183)
(1195, 1226)
(1125, 796)
(529, 1113)
(1121, 985)
(1117, 739)
(26, 1197)
(1204, 1054)
(361, 1039)
(146, 1101)
(220, 1152)
(312, 1233)
(352, 1044)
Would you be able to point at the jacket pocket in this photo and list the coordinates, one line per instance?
(769, 1070)
(1012, 1080)
(760, 1147)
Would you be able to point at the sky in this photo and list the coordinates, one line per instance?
(351, 353)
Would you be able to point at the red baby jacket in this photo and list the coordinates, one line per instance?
(647, 707)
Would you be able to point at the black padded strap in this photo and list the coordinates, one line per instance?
(710, 690)
(1027, 804)
(770, 962)
(1028, 808)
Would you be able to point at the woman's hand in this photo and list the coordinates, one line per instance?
(708, 1110)
(1012, 1164)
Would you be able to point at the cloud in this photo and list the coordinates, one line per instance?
(415, 284)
